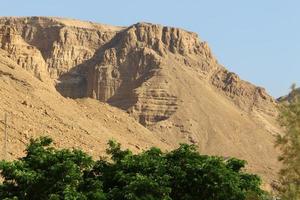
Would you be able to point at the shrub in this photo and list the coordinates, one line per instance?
(49, 173)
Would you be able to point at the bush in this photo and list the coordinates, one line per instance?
(48, 173)
(289, 144)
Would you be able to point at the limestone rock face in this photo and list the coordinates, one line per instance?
(26, 55)
(129, 71)
(74, 46)
(63, 44)
(247, 96)
(119, 65)
(35, 109)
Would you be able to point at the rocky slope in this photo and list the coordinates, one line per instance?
(35, 108)
(166, 78)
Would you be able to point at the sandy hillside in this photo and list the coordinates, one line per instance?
(35, 109)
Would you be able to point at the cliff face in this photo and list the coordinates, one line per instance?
(35, 109)
(164, 77)
(125, 73)
(116, 65)
(63, 44)
(25, 55)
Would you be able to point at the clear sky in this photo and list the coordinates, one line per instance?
(257, 39)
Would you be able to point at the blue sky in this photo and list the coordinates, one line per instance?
(257, 39)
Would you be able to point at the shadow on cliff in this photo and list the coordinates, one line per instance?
(80, 81)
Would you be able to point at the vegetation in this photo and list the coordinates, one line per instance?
(49, 173)
(289, 144)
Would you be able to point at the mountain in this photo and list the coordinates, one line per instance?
(158, 86)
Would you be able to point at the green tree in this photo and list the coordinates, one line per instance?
(182, 174)
(289, 144)
(129, 176)
(48, 173)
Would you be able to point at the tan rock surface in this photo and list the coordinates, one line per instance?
(35, 109)
(166, 78)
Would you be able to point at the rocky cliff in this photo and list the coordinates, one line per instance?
(34, 108)
(117, 65)
(164, 77)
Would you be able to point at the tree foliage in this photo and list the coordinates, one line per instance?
(182, 174)
(289, 144)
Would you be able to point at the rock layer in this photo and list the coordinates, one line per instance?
(25, 55)
(116, 65)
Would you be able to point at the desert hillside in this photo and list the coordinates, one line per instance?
(144, 85)
(36, 109)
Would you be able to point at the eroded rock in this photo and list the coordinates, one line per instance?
(130, 68)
